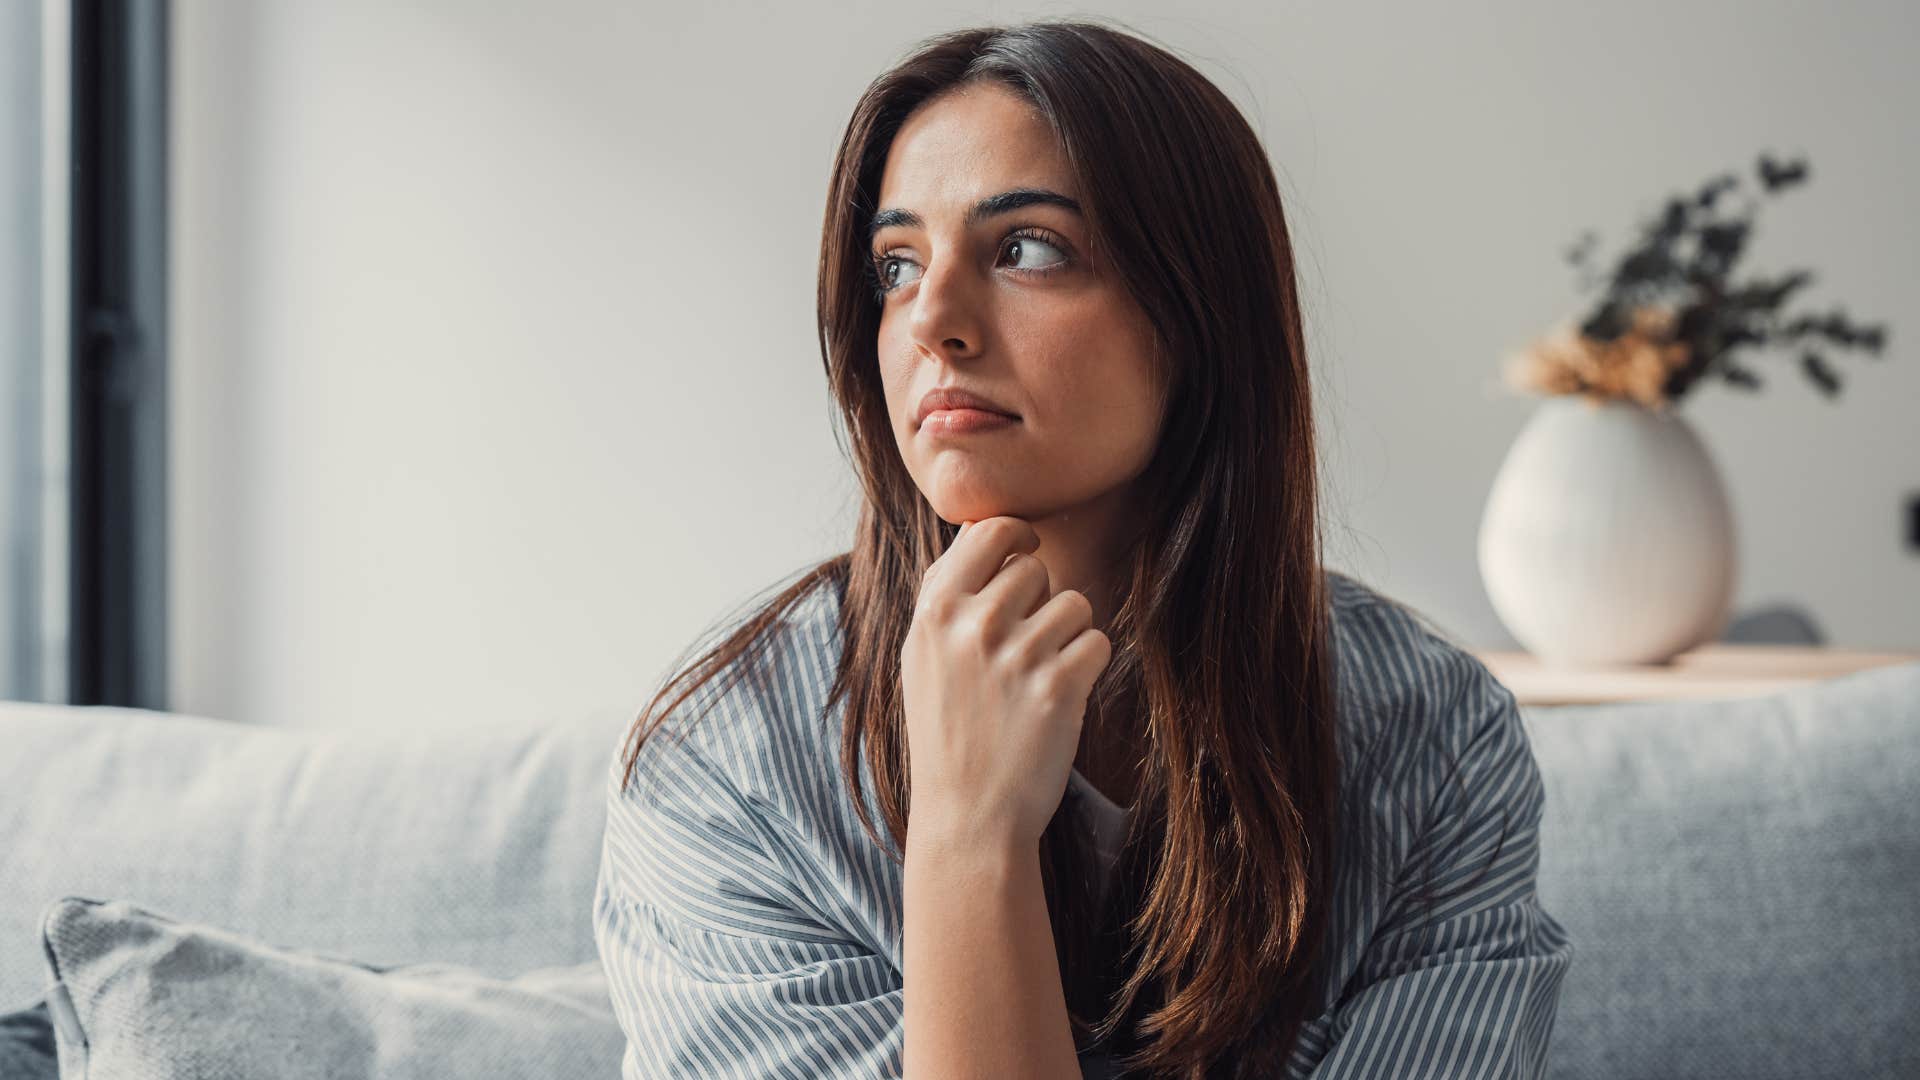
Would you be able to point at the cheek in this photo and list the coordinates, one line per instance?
(1126, 424)
(1100, 374)
(1112, 404)
(896, 381)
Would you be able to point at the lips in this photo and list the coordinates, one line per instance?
(953, 397)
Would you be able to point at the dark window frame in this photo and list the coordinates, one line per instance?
(117, 651)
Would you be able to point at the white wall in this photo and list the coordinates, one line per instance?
(497, 376)
(34, 42)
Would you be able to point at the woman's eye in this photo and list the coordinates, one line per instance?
(887, 268)
(892, 281)
(1022, 244)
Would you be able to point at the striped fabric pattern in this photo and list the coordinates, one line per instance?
(749, 927)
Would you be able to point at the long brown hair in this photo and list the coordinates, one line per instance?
(1208, 955)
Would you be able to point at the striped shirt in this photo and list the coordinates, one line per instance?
(750, 928)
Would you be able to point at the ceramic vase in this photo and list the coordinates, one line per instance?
(1607, 537)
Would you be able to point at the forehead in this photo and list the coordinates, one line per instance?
(969, 142)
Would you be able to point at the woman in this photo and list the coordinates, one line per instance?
(1180, 801)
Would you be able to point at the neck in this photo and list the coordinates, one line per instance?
(1080, 547)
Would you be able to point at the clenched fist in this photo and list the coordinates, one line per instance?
(995, 673)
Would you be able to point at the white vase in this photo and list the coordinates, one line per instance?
(1607, 537)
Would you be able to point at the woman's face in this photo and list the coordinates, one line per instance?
(1009, 306)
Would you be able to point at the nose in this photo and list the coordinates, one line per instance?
(945, 321)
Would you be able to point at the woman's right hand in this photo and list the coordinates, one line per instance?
(995, 673)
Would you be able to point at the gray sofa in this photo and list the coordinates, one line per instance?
(1741, 879)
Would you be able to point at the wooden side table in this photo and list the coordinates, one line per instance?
(1711, 671)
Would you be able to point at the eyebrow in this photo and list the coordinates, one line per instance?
(992, 205)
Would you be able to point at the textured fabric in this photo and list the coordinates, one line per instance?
(156, 997)
(1743, 877)
(750, 928)
(473, 845)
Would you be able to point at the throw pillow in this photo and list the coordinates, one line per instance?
(26, 1043)
(151, 995)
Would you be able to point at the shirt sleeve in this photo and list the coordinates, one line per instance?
(1468, 986)
(715, 964)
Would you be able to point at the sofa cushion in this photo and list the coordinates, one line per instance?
(1741, 878)
(390, 845)
(147, 995)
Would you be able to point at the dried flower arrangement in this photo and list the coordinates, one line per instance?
(1668, 316)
